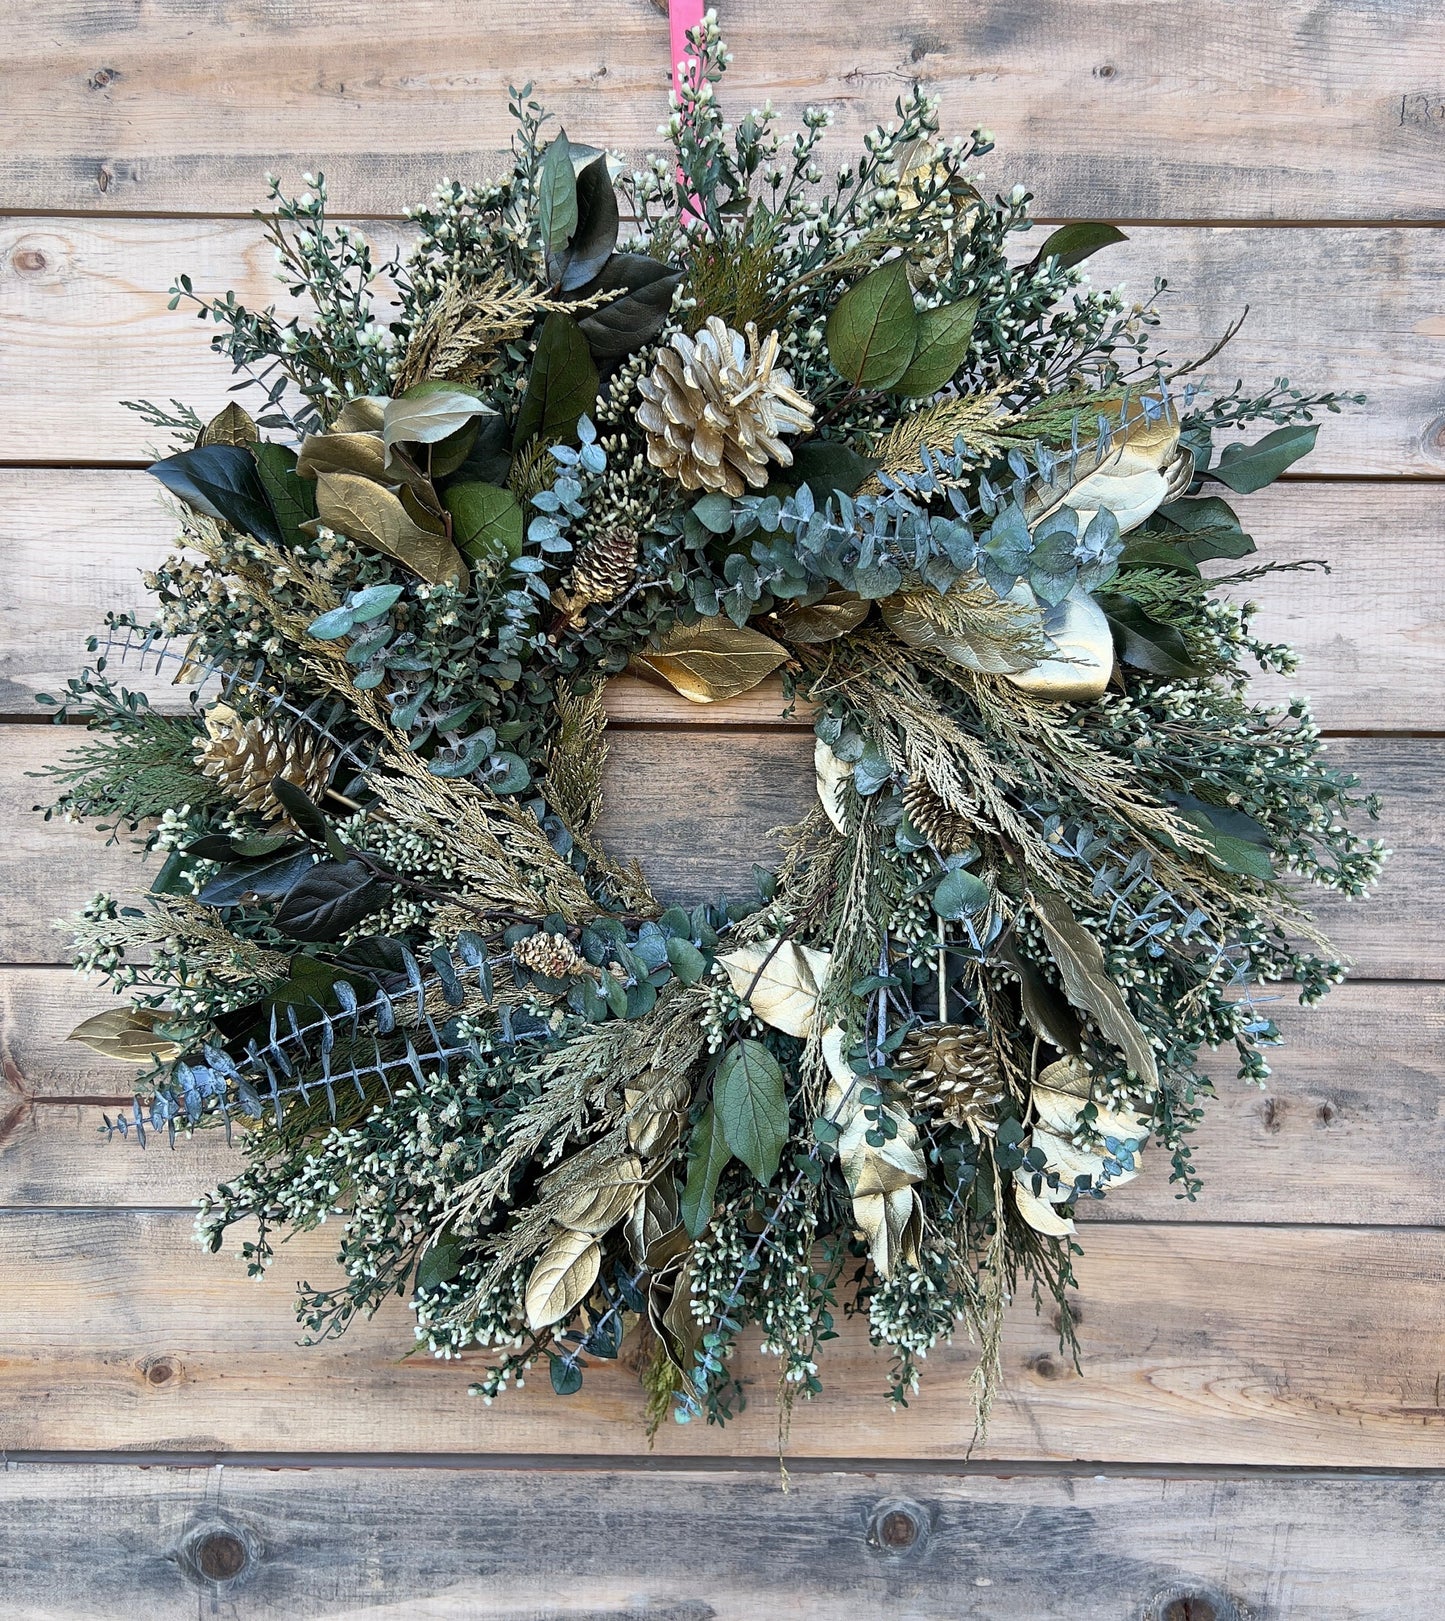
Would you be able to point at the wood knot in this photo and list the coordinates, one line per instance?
(103, 77)
(1179, 1602)
(29, 261)
(160, 1370)
(1432, 441)
(218, 1552)
(1105, 70)
(1043, 1366)
(897, 1527)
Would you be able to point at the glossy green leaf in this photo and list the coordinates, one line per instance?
(561, 387)
(595, 235)
(872, 332)
(1146, 643)
(708, 1153)
(223, 482)
(1073, 243)
(292, 498)
(556, 200)
(486, 520)
(644, 287)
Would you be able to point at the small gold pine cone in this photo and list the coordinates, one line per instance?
(243, 756)
(606, 565)
(955, 1073)
(944, 828)
(551, 955)
(715, 408)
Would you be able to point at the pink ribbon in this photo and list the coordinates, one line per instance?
(683, 15)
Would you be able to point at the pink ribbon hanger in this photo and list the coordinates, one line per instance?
(683, 15)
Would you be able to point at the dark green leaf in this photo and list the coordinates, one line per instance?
(292, 498)
(486, 521)
(271, 876)
(752, 1107)
(1072, 244)
(312, 984)
(1046, 1009)
(826, 467)
(1146, 643)
(308, 816)
(645, 287)
(331, 899)
(441, 1262)
(224, 482)
(489, 458)
(561, 387)
(556, 203)
(872, 331)
(944, 335)
(596, 234)
(1245, 468)
(1238, 843)
(1212, 527)
(708, 1153)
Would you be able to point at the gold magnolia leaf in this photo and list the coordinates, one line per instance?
(651, 1130)
(898, 1163)
(779, 982)
(892, 1226)
(711, 661)
(1038, 1211)
(830, 773)
(230, 426)
(127, 1034)
(361, 453)
(1081, 658)
(370, 514)
(1080, 962)
(598, 1209)
(837, 614)
(365, 414)
(1059, 1096)
(562, 1278)
(655, 1233)
(1133, 476)
(969, 625)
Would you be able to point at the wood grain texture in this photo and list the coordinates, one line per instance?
(1101, 107)
(1370, 634)
(1349, 1130)
(695, 807)
(716, 1545)
(83, 308)
(1258, 1345)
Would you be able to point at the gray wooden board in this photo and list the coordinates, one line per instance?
(1262, 109)
(84, 324)
(120, 1543)
(1370, 633)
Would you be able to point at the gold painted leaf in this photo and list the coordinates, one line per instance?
(1059, 1096)
(371, 515)
(892, 1226)
(897, 1164)
(830, 773)
(1080, 962)
(127, 1034)
(562, 1278)
(365, 414)
(655, 1233)
(780, 983)
(831, 616)
(230, 426)
(1131, 478)
(711, 661)
(1040, 1214)
(361, 453)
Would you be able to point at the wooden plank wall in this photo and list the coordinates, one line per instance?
(1258, 1427)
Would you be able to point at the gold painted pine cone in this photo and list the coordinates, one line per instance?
(944, 829)
(606, 565)
(715, 408)
(954, 1074)
(551, 955)
(242, 756)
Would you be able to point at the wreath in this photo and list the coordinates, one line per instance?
(825, 431)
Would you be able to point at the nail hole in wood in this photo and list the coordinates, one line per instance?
(898, 1527)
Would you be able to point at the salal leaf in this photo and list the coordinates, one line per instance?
(292, 498)
(308, 817)
(562, 1278)
(561, 386)
(1080, 961)
(486, 521)
(1072, 244)
(944, 335)
(872, 331)
(231, 425)
(556, 202)
(711, 661)
(1245, 468)
(827, 467)
(1237, 842)
(223, 482)
(428, 414)
(331, 899)
(644, 286)
(127, 1034)
(372, 515)
(1213, 529)
(752, 1107)
(708, 1154)
(595, 235)
(440, 1263)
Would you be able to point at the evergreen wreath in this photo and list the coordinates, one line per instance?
(827, 430)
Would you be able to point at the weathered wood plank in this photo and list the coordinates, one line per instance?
(1371, 634)
(695, 807)
(466, 1544)
(1264, 1345)
(85, 309)
(1349, 1130)
(1096, 105)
